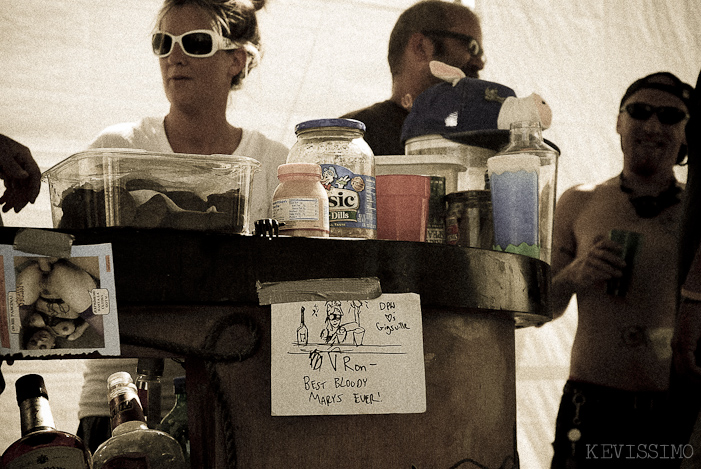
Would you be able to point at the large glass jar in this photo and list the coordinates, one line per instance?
(523, 179)
(348, 172)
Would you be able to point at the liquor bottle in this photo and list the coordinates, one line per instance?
(148, 384)
(41, 445)
(302, 332)
(133, 444)
(175, 422)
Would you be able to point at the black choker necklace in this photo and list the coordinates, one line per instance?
(649, 206)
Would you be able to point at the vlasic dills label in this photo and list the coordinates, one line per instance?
(351, 197)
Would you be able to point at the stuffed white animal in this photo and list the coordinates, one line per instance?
(532, 108)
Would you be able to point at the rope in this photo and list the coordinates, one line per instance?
(508, 463)
(222, 397)
(208, 354)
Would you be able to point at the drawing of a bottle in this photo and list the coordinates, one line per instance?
(358, 331)
(302, 332)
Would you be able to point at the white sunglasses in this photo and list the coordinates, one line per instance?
(199, 43)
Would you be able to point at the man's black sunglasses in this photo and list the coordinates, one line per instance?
(667, 115)
(472, 44)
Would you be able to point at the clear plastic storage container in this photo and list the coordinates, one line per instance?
(121, 187)
(469, 162)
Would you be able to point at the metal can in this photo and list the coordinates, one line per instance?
(469, 219)
(348, 172)
(435, 228)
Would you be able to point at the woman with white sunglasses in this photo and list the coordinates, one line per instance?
(206, 48)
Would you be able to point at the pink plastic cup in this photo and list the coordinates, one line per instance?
(402, 206)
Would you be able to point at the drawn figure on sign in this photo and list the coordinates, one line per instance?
(336, 332)
(333, 333)
(354, 326)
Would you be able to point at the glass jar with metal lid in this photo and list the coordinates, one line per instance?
(348, 172)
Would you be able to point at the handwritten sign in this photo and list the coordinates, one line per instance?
(100, 299)
(348, 357)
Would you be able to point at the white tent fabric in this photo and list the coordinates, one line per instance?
(69, 68)
(581, 57)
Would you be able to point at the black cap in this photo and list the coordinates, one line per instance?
(669, 83)
(179, 384)
(30, 386)
(663, 81)
(150, 366)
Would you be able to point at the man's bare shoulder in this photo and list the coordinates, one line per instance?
(576, 197)
(578, 192)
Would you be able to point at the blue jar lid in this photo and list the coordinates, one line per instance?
(321, 123)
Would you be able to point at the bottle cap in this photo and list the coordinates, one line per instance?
(299, 168)
(150, 366)
(179, 385)
(120, 378)
(30, 386)
(321, 123)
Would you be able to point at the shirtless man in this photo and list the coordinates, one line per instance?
(613, 408)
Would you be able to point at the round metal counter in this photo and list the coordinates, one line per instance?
(190, 267)
(175, 286)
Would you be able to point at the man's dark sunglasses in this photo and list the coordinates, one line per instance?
(667, 115)
(472, 44)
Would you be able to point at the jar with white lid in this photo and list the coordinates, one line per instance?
(348, 172)
(300, 202)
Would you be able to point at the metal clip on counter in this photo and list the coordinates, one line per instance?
(195, 295)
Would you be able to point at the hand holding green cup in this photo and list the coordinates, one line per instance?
(630, 241)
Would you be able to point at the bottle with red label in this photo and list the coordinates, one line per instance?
(347, 172)
(133, 445)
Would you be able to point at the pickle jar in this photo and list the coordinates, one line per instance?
(300, 202)
(348, 173)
